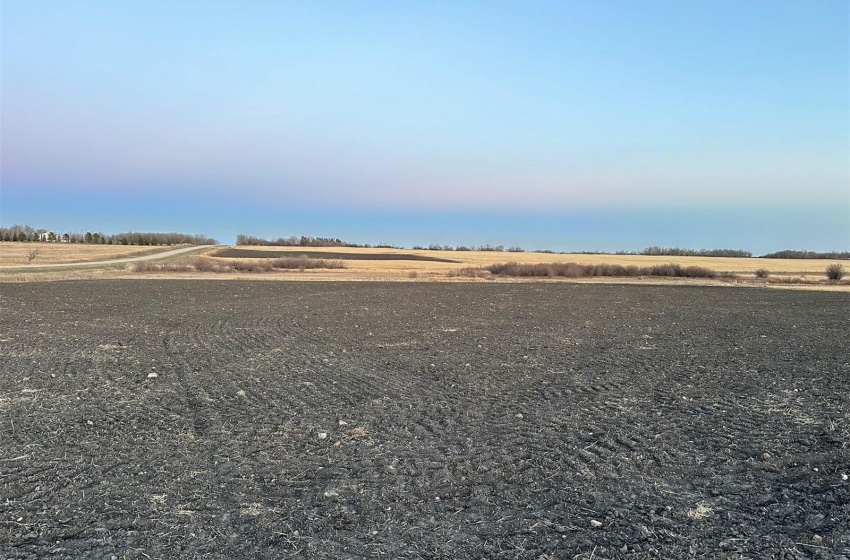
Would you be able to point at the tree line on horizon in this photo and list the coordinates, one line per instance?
(295, 241)
(786, 254)
(307, 241)
(680, 252)
(792, 254)
(29, 234)
(26, 233)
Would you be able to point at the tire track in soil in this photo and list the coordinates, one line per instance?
(594, 451)
(304, 387)
(209, 440)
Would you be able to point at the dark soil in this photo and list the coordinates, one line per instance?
(422, 420)
(247, 254)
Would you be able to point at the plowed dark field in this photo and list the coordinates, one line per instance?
(422, 420)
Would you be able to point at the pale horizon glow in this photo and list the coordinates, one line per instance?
(341, 111)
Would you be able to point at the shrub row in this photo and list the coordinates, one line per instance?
(574, 270)
(202, 264)
(145, 266)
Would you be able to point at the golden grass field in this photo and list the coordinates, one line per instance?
(15, 254)
(806, 274)
(784, 267)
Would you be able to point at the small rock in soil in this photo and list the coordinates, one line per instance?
(595, 523)
(152, 375)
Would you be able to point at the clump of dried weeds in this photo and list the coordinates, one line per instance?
(699, 512)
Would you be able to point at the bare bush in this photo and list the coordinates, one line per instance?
(762, 273)
(250, 265)
(145, 266)
(31, 254)
(679, 271)
(202, 264)
(835, 271)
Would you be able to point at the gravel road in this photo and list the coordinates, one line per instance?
(153, 257)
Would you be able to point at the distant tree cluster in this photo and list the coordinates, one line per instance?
(153, 238)
(307, 241)
(438, 247)
(790, 254)
(295, 241)
(20, 233)
(679, 252)
(25, 233)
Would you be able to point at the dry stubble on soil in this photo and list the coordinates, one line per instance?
(338, 420)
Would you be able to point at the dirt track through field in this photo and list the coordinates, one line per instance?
(164, 254)
(337, 420)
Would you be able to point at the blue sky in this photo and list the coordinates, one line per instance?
(568, 125)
